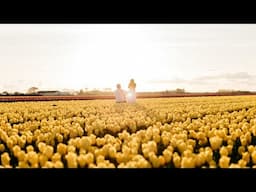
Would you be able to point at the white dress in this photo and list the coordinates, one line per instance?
(131, 96)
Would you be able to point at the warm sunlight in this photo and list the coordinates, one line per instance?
(115, 56)
(196, 57)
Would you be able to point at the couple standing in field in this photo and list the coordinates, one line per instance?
(122, 96)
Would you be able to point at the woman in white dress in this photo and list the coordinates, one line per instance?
(131, 95)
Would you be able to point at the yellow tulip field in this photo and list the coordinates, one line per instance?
(187, 132)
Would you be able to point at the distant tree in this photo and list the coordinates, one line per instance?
(5, 93)
(32, 90)
(81, 92)
(178, 90)
(18, 93)
(226, 90)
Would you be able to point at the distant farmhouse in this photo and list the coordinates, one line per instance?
(53, 93)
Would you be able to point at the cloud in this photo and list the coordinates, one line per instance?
(228, 76)
(240, 77)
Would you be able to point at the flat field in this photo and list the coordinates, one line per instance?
(185, 132)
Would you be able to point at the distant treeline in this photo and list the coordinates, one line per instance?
(233, 91)
(110, 93)
(32, 94)
(18, 94)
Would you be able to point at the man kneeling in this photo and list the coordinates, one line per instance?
(119, 94)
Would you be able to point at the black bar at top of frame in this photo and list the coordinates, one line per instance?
(128, 20)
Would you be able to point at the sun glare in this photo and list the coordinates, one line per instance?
(98, 56)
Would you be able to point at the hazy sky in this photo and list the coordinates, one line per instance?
(196, 57)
